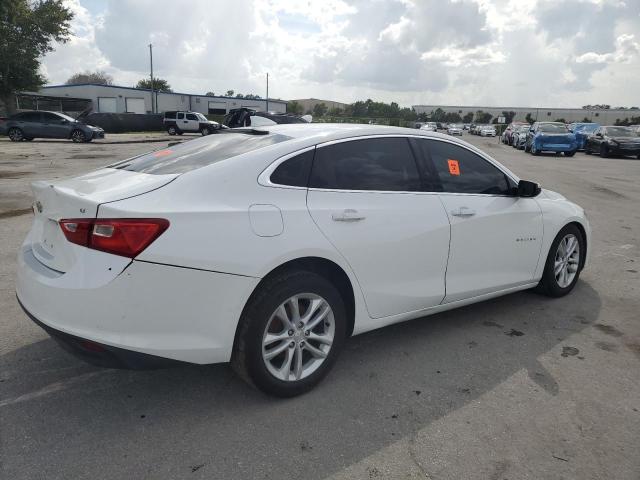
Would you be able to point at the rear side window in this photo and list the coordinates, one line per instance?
(171, 115)
(384, 164)
(30, 117)
(198, 153)
(294, 171)
(180, 115)
(462, 171)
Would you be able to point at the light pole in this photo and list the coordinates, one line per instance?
(267, 91)
(153, 110)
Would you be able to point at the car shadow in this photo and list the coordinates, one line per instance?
(70, 419)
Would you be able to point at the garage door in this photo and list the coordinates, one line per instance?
(135, 105)
(217, 108)
(107, 104)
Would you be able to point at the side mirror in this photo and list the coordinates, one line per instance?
(599, 135)
(528, 189)
(531, 130)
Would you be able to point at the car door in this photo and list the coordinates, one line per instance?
(54, 126)
(30, 124)
(365, 197)
(496, 236)
(192, 123)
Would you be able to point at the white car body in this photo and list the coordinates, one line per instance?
(230, 226)
(429, 127)
(454, 130)
(488, 132)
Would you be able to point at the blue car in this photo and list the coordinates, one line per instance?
(551, 137)
(582, 131)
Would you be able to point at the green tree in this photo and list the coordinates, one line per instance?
(159, 84)
(508, 116)
(294, 107)
(98, 76)
(252, 96)
(468, 117)
(319, 109)
(239, 95)
(210, 94)
(27, 32)
(229, 93)
(561, 120)
(483, 117)
(529, 118)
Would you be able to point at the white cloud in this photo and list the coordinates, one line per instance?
(491, 52)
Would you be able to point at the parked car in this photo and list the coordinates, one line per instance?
(551, 137)
(582, 131)
(611, 140)
(488, 131)
(248, 117)
(429, 127)
(467, 126)
(507, 135)
(519, 136)
(455, 129)
(180, 122)
(25, 126)
(269, 247)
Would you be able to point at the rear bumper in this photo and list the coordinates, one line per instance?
(556, 147)
(102, 355)
(158, 310)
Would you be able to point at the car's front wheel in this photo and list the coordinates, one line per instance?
(570, 154)
(604, 151)
(534, 150)
(78, 136)
(15, 134)
(564, 262)
(290, 333)
(205, 131)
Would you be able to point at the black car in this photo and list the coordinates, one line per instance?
(248, 117)
(40, 124)
(612, 140)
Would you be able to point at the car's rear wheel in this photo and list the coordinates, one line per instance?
(564, 262)
(15, 134)
(290, 333)
(604, 151)
(78, 136)
(570, 154)
(171, 130)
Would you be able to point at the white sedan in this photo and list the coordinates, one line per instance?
(269, 247)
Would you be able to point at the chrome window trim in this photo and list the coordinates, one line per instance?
(264, 178)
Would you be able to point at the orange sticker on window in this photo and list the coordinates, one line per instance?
(162, 153)
(454, 167)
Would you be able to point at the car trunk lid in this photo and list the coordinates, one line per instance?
(79, 197)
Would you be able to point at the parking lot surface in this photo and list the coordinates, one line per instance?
(520, 387)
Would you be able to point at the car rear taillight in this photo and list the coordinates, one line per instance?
(127, 237)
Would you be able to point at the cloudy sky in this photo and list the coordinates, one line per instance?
(560, 53)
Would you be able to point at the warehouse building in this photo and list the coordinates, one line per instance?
(601, 116)
(116, 99)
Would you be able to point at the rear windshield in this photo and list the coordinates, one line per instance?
(198, 153)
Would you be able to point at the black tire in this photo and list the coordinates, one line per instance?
(570, 154)
(534, 150)
(587, 150)
(15, 134)
(604, 151)
(204, 131)
(78, 136)
(247, 358)
(172, 130)
(548, 284)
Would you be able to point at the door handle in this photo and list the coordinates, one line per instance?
(347, 215)
(463, 212)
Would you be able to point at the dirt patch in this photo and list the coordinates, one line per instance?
(569, 352)
(609, 330)
(15, 213)
(12, 175)
(84, 156)
(607, 191)
(607, 346)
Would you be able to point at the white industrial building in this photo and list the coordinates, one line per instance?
(116, 99)
(541, 114)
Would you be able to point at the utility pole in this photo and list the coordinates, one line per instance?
(267, 91)
(153, 110)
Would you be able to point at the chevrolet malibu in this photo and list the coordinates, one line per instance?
(269, 247)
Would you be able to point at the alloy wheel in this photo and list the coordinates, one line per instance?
(298, 337)
(15, 135)
(77, 136)
(567, 260)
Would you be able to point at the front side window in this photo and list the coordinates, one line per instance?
(384, 164)
(191, 116)
(462, 171)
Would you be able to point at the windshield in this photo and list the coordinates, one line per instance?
(198, 153)
(553, 128)
(620, 132)
(586, 128)
(66, 117)
(201, 117)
